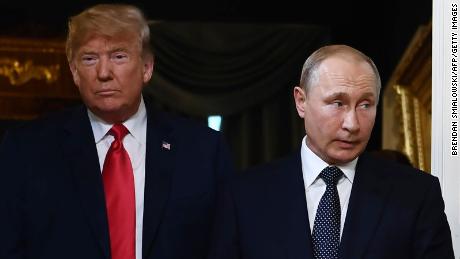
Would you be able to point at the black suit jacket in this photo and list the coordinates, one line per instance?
(52, 200)
(394, 212)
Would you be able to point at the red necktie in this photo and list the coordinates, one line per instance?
(118, 179)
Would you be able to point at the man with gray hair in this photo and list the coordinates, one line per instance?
(113, 178)
(331, 200)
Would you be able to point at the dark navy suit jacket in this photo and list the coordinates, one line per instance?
(52, 200)
(394, 212)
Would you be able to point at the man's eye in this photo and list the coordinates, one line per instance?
(337, 103)
(120, 57)
(365, 105)
(88, 60)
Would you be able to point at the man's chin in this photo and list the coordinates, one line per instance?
(343, 157)
(110, 113)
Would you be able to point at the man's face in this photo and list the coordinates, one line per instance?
(110, 74)
(339, 109)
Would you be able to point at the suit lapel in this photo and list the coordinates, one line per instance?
(294, 224)
(367, 200)
(159, 165)
(79, 148)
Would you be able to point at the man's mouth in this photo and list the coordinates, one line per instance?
(107, 92)
(347, 144)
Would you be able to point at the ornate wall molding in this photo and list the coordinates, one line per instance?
(20, 73)
(407, 102)
(34, 78)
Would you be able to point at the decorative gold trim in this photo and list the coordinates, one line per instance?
(407, 102)
(418, 135)
(19, 74)
(406, 121)
(411, 140)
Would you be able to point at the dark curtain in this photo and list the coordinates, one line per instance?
(243, 72)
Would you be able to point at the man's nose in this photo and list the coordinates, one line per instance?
(104, 69)
(350, 121)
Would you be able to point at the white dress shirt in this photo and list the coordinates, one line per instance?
(135, 144)
(312, 165)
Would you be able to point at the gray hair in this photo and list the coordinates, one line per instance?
(309, 71)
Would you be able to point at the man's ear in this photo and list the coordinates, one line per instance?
(148, 68)
(300, 101)
(75, 76)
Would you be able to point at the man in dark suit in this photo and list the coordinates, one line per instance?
(114, 178)
(331, 200)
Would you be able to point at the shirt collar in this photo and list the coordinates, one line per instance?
(312, 165)
(136, 124)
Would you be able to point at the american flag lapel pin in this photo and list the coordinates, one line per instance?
(166, 145)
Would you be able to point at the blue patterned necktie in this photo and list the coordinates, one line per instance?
(326, 229)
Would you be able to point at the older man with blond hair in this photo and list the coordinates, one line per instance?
(113, 178)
